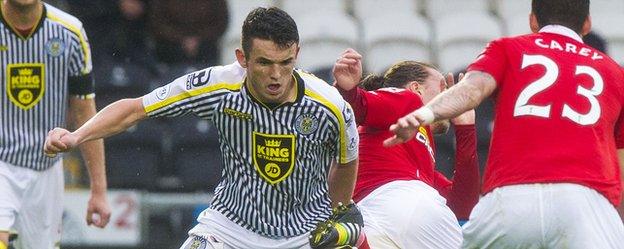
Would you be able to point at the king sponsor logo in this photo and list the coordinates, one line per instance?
(25, 84)
(274, 156)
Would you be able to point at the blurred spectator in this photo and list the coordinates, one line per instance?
(596, 41)
(117, 29)
(97, 17)
(188, 31)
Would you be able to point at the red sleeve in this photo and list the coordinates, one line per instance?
(385, 106)
(492, 60)
(357, 102)
(466, 181)
(442, 184)
(619, 130)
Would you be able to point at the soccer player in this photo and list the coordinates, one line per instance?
(280, 129)
(552, 178)
(46, 80)
(396, 187)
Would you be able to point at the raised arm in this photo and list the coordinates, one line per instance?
(466, 95)
(620, 208)
(111, 120)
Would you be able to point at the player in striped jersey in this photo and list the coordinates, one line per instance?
(288, 139)
(45, 72)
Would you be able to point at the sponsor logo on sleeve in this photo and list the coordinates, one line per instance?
(198, 79)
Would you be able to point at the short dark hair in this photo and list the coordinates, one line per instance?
(270, 24)
(569, 13)
(398, 75)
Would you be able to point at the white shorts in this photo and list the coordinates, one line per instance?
(31, 204)
(409, 214)
(217, 231)
(560, 215)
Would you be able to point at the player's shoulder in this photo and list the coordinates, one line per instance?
(225, 76)
(62, 18)
(397, 96)
(318, 88)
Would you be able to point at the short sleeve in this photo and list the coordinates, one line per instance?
(190, 93)
(80, 80)
(349, 139)
(493, 60)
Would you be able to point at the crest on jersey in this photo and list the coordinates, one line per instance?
(306, 123)
(273, 156)
(197, 243)
(55, 47)
(25, 84)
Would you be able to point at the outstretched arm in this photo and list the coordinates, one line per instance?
(111, 120)
(466, 95)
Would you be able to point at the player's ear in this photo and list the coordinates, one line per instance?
(535, 27)
(586, 26)
(297, 52)
(240, 57)
(414, 87)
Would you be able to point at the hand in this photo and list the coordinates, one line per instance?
(348, 69)
(406, 127)
(466, 118)
(342, 230)
(59, 140)
(98, 206)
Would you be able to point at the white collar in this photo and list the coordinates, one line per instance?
(561, 30)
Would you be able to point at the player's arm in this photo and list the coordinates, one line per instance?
(81, 110)
(111, 120)
(464, 193)
(620, 208)
(348, 72)
(342, 182)
(466, 95)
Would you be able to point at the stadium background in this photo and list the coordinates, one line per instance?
(162, 172)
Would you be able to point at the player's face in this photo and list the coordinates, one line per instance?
(432, 85)
(270, 71)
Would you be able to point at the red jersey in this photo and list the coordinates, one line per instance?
(558, 112)
(413, 160)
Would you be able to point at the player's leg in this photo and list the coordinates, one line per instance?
(4, 240)
(10, 199)
(508, 217)
(39, 223)
(209, 242)
(582, 218)
(409, 214)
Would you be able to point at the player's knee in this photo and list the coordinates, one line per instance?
(4, 240)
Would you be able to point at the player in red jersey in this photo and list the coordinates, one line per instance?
(552, 178)
(395, 186)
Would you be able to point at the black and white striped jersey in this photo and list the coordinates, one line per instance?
(38, 72)
(276, 161)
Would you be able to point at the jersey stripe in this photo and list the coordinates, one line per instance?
(76, 30)
(281, 207)
(54, 50)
